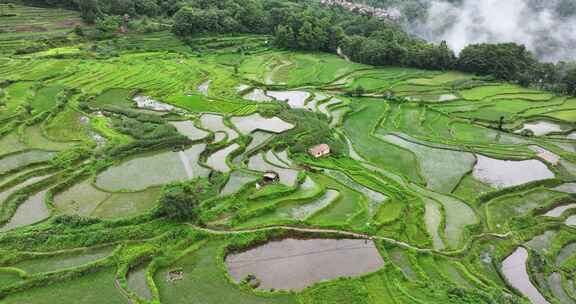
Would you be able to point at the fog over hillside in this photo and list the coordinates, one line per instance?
(548, 28)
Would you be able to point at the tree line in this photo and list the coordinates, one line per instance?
(307, 25)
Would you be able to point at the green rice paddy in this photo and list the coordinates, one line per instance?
(418, 166)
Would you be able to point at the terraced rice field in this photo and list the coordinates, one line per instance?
(422, 198)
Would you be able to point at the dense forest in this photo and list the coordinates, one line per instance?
(308, 25)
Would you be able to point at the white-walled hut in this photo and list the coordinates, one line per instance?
(320, 150)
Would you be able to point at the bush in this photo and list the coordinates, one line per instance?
(180, 201)
(75, 221)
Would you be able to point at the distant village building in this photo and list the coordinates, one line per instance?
(124, 27)
(319, 150)
(380, 13)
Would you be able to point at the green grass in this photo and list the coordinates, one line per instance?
(114, 97)
(469, 188)
(296, 69)
(157, 74)
(503, 209)
(482, 92)
(389, 212)
(337, 292)
(349, 202)
(26, 25)
(80, 290)
(66, 126)
(199, 103)
(16, 96)
(458, 216)
(569, 115)
(102, 126)
(10, 143)
(441, 79)
(158, 41)
(35, 139)
(46, 98)
(205, 282)
(8, 278)
(23, 159)
(63, 261)
(127, 204)
(141, 173)
(359, 126)
(442, 168)
(84, 199)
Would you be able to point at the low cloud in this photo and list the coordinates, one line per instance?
(534, 23)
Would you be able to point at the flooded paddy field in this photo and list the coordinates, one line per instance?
(541, 128)
(249, 124)
(236, 181)
(295, 99)
(515, 271)
(558, 211)
(33, 210)
(218, 160)
(204, 281)
(223, 170)
(188, 129)
(15, 161)
(258, 163)
(63, 261)
(137, 282)
(141, 173)
(293, 264)
(502, 174)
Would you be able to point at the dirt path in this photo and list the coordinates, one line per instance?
(348, 234)
(316, 230)
(341, 54)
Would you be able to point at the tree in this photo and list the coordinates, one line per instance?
(311, 37)
(89, 10)
(441, 57)
(285, 37)
(359, 91)
(352, 46)
(189, 21)
(570, 81)
(506, 61)
(147, 7)
(117, 7)
(108, 24)
(179, 201)
(184, 22)
(378, 52)
(335, 37)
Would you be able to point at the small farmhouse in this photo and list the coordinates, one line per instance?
(319, 150)
(271, 177)
(268, 178)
